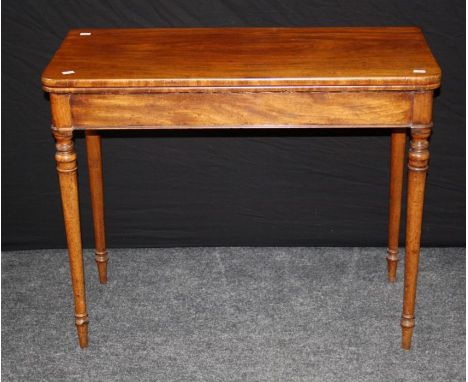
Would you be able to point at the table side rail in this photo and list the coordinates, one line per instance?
(241, 110)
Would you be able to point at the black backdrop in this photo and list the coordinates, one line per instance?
(225, 188)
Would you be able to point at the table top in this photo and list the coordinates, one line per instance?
(380, 58)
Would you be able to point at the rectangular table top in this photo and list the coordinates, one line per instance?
(389, 57)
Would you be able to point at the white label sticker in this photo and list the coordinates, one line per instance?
(68, 72)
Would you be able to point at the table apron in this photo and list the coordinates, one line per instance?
(241, 110)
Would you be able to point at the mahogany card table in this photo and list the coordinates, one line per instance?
(243, 78)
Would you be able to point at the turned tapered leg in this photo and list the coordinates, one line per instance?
(397, 160)
(417, 165)
(93, 148)
(66, 167)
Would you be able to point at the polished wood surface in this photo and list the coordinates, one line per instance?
(243, 78)
(392, 57)
(397, 159)
(93, 149)
(238, 110)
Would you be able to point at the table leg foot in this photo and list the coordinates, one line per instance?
(407, 328)
(101, 262)
(82, 330)
(392, 263)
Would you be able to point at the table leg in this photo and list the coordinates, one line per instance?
(93, 148)
(65, 157)
(397, 159)
(417, 165)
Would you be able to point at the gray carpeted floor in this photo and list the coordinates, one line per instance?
(233, 314)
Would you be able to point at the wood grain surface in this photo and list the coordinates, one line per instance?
(394, 57)
(241, 110)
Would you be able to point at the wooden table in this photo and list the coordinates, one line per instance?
(216, 78)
